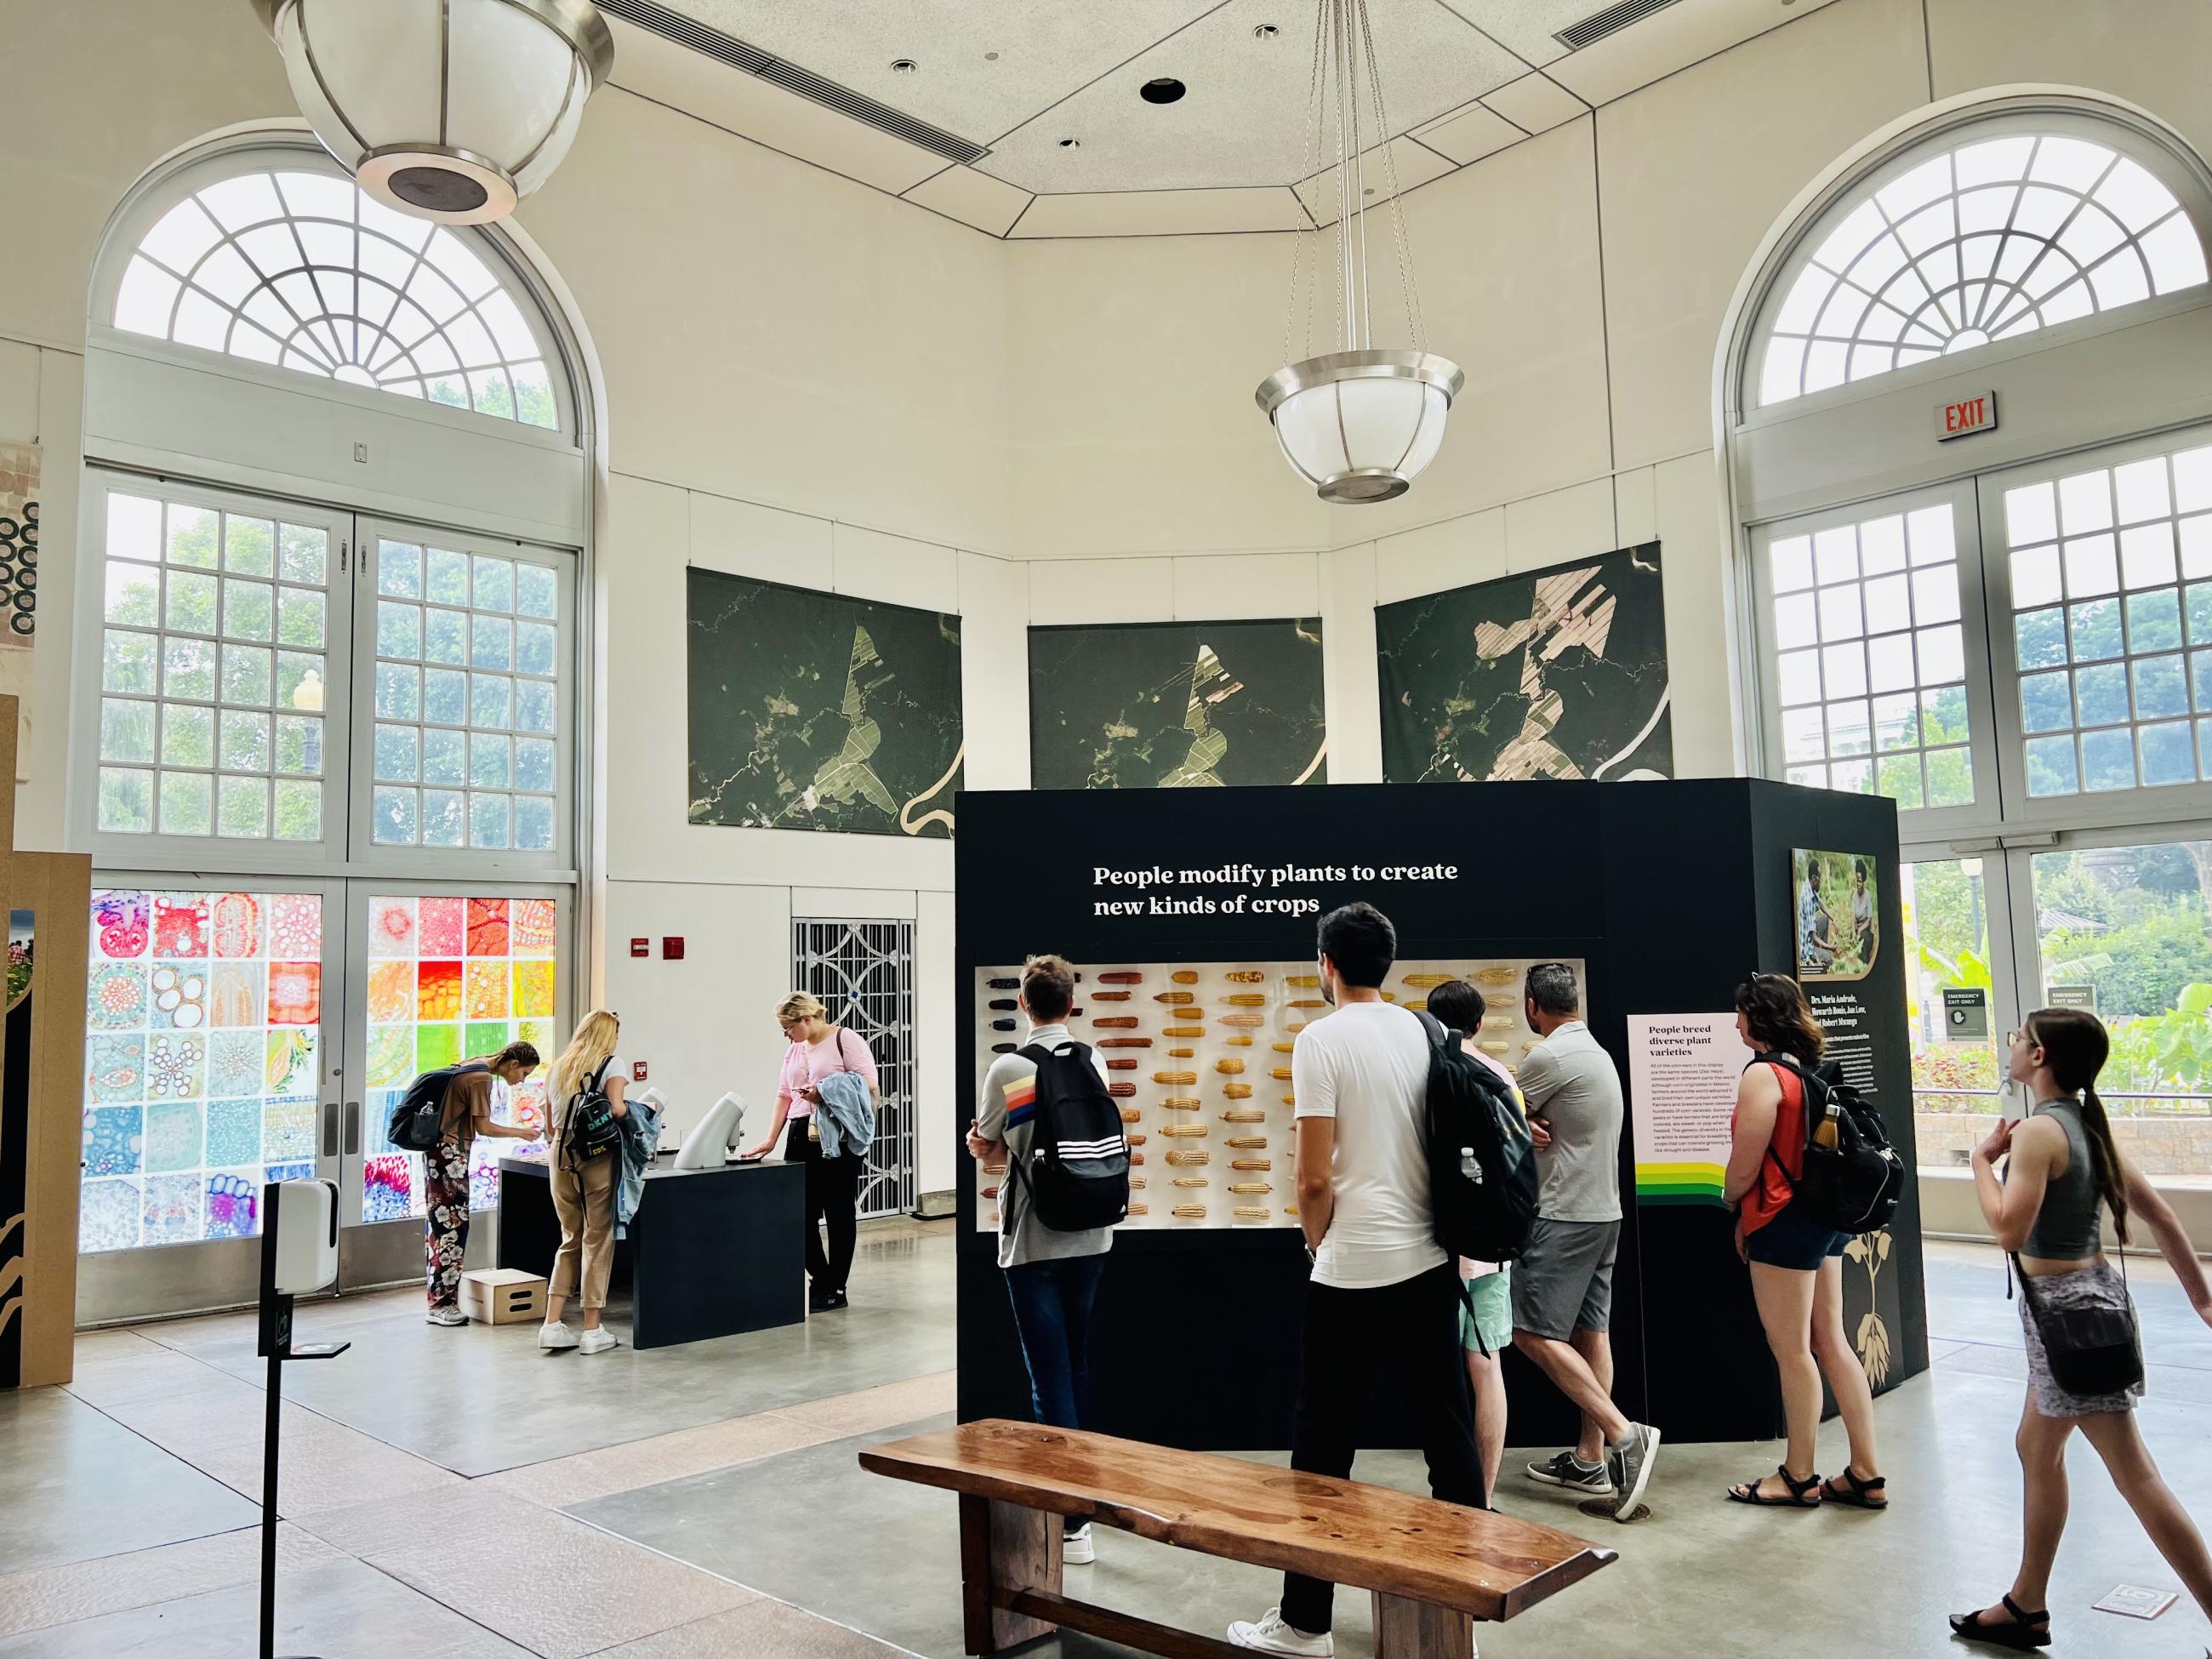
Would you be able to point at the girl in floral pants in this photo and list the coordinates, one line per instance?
(446, 1239)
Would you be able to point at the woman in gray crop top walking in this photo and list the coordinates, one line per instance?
(2064, 1170)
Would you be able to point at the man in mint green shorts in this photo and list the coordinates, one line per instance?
(1489, 1332)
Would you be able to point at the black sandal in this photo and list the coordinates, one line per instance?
(1750, 1494)
(2019, 1636)
(1859, 1494)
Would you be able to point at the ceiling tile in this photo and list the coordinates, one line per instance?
(972, 197)
(1536, 103)
(1470, 134)
(1244, 119)
(1161, 213)
(1416, 165)
(1525, 27)
(1668, 39)
(1043, 52)
(707, 87)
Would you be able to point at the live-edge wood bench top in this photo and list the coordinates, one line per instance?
(1477, 1562)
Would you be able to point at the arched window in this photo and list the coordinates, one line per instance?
(2016, 226)
(303, 270)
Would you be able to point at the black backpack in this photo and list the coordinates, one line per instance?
(1854, 1186)
(1483, 1182)
(590, 1127)
(418, 1117)
(1077, 1167)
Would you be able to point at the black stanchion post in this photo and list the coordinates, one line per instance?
(281, 1271)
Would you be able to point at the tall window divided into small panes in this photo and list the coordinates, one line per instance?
(322, 700)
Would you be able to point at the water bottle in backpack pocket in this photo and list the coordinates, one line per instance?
(1853, 1179)
(418, 1117)
(1483, 1182)
(1076, 1167)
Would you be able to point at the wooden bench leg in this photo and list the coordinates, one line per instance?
(1003, 1547)
(1419, 1630)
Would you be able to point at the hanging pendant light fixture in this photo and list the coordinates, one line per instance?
(1359, 423)
(451, 110)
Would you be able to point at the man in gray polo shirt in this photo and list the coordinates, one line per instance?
(1563, 1283)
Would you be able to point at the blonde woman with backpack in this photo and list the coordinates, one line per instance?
(583, 1179)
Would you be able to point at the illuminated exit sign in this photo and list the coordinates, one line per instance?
(1969, 415)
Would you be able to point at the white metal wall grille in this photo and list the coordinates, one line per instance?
(863, 973)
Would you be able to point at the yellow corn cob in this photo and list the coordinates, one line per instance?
(1297, 1026)
(1290, 1209)
(1183, 1031)
(1247, 1000)
(1245, 1115)
(1111, 996)
(1246, 976)
(1308, 1002)
(1182, 1054)
(1426, 982)
(1417, 1004)
(1184, 977)
(1181, 1102)
(1499, 1000)
(1237, 1092)
(1251, 1186)
(1230, 1068)
(1389, 996)
(1303, 981)
(1250, 1143)
(1175, 998)
(1494, 977)
(1244, 1019)
(1135, 1140)
(1281, 1074)
(1496, 1048)
(1131, 1114)
(1172, 1129)
(1191, 1159)
(1282, 1048)
(1289, 1100)
(1174, 1076)
(1242, 1040)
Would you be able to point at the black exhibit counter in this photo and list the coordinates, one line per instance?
(1191, 916)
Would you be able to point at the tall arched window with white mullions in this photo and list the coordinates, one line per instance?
(1977, 235)
(305, 270)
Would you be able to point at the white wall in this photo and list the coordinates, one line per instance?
(806, 378)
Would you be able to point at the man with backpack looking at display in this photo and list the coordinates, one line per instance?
(1563, 1284)
(1384, 1291)
(1048, 1116)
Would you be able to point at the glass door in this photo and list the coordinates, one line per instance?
(210, 1068)
(448, 971)
(1961, 996)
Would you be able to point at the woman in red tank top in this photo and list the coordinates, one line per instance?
(1796, 1260)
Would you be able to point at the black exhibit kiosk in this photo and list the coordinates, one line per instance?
(1191, 915)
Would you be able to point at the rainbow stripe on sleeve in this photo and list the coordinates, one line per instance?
(1021, 1101)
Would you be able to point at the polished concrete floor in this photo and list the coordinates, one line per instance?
(451, 1493)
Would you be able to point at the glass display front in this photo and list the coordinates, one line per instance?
(1199, 1055)
(449, 978)
(202, 1029)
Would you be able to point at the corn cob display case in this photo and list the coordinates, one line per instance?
(1190, 916)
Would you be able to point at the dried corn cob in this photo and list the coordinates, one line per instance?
(1135, 1140)
(1136, 1159)
(1426, 982)
(1123, 1042)
(1111, 996)
(1245, 1115)
(990, 1192)
(1121, 978)
(1500, 999)
(1181, 1102)
(1184, 977)
(1230, 1068)
(1175, 999)
(1281, 1074)
(1251, 1212)
(1251, 1163)
(1251, 1186)
(1182, 1129)
(1182, 1054)
(1131, 1114)
(1004, 1048)
(1308, 1002)
(1002, 984)
(1247, 1142)
(1496, 1048)
(994, 1169)
(1136, 1184)
(1139, 1209)
(1123, 1066)
(1190, 1211)
(1297, 1026)
(1115, 1022)
(1242, 1040)
(1289, 1100)
(1192, 1180)
(1183, 1031)
(1247, 1000)
(1237, 1092)
(1303, 981)
(1246, 976)
(1282, 1048)
(1417, 1005)
(1174, 1076)
(1121, 1091)
(1243, 1019)
(1495, 976)
(1190, 1158)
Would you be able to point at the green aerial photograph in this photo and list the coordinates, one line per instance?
(818, 711)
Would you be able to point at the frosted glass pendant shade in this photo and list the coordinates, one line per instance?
(1360, 426)
(450, 110)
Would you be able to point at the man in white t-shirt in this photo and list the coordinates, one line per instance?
(1384, 1292)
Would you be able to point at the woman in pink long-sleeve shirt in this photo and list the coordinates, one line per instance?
(833, 1184)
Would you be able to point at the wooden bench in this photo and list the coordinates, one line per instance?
(1432, 1567)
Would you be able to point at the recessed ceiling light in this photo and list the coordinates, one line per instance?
(1071, 143)
(903, 66)
(1268, 31)
(1165, 89)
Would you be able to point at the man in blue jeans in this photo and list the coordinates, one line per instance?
(1051, 1276)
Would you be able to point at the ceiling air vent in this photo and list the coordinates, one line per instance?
(1595, 26)
(688, 31)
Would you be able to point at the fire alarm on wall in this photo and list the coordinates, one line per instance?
(672, 947)
(637, 1071)
(640, 947)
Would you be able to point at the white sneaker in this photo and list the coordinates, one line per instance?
(597, 1340)
(447, 1316)
(1076, 1547)
(555, 1337)
(1271, 1635)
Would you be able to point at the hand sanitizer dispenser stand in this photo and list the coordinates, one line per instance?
(299, 1256)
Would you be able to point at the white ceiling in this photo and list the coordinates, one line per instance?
(1462, 79)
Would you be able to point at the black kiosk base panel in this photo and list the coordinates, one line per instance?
(711, 1253)
(1668, 893)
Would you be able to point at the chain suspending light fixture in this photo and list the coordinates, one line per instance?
(1357, 424)
(451, 110)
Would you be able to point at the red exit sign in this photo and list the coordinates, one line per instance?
(1969, 415)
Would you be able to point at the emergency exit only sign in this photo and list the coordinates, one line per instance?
(1977, 413)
